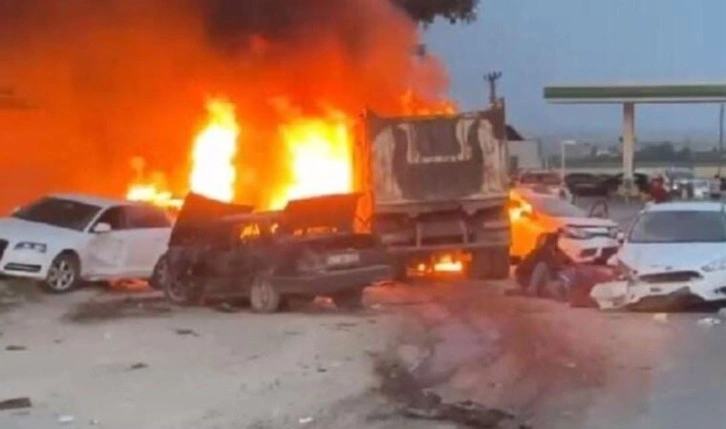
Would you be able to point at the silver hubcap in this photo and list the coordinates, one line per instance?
(61, 275)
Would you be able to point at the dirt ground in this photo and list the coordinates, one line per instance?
(121, 360)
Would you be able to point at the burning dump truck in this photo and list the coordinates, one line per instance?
(436, 191)
(308, 249)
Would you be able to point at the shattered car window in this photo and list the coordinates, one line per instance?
(693, 226)
(556, 207)
(59, 212)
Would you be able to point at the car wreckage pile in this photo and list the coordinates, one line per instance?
(308, 249)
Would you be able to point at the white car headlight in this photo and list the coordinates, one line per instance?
(575, 233)
(29, 245)
(717, 265)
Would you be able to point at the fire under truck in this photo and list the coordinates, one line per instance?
(437, 187)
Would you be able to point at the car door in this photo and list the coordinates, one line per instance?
(107, 252)
(149, 228)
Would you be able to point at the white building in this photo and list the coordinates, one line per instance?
(523, 154)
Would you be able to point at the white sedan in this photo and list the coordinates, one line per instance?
(676, 250)
(583, 238)
(63, 240)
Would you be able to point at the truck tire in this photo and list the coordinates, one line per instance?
(499, 263)
(490, 264)
(479, 268)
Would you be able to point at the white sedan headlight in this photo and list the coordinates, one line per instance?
(717, 265)
(29, 245)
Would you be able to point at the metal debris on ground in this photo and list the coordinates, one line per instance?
(139, 365)
(305, 420)
(15, 348)
(97, 311)
(15, 403)
(402, 387)
(66, 419)
(191, 332)
(709, 321)
(661, 317)
(226, 307)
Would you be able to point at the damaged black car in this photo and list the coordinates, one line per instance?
(309, 249)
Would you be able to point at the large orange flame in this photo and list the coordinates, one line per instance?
(215, 147)
(319, 150)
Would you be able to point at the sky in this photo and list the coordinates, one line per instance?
(543, 42)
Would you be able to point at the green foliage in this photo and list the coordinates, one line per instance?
(425, 11)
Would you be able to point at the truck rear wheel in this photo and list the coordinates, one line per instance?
(490, 264)
(499, 263)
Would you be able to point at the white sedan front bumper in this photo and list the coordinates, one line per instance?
(708, 286)
(24, 263)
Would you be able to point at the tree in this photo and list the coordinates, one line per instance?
(425, 11)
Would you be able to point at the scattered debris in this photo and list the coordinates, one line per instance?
(226, 307)
(15, 348)
(15, 403)
(709, 321)
(661, 317)
(305, 420)
(191, 332)
(610, 295)
(130, 306)
(401, 386)
(66, 419)
(139, 365)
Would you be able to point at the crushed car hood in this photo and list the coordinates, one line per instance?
(658, 257)
(198, 211)
(329, 211)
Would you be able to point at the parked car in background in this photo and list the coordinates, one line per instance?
(308, 249)
(676, 253)
(588, 184)
(62, 240)
(544, 181)
(583, 238)
(700, 188)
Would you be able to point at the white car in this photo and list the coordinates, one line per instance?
(583, 238)
(63, 240)
(676, 250)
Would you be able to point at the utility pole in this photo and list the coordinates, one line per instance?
(720, 137)
(492, 78)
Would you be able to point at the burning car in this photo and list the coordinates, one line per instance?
(308, 249)
(584, 238)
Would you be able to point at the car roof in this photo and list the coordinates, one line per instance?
(102, 202)
(695, 206)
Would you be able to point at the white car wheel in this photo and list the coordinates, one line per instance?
(63, 275)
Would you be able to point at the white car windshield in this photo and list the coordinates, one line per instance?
(555, 207)
(685, 226)
(59, 212)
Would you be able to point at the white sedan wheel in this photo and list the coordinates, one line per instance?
(63, 274)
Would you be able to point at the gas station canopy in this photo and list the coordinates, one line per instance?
(629, 96)
(650, 93)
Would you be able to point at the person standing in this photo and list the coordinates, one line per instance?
(714, 187)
